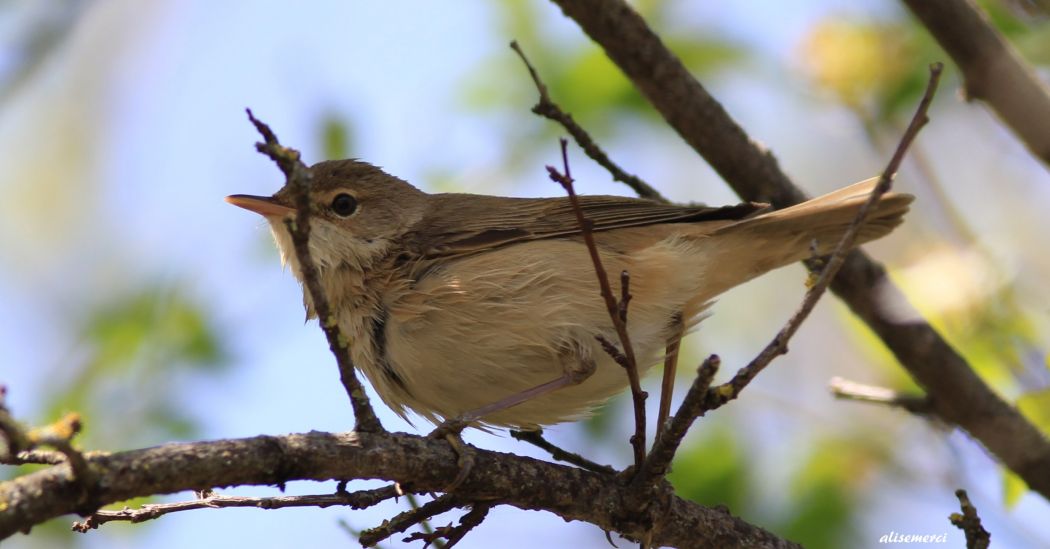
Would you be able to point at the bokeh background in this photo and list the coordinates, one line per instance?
(131, 293)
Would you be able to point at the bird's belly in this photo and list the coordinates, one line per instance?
(493, 325)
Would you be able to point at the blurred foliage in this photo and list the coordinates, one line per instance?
(137, 349)
(336, 137)
(579, 76)
(825, 491)
(878, 70)
(1014, 487)
(717, 469)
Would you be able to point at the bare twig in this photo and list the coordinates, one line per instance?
(547, 108)
(413, 502)
(453, 534)
(536, 439)
(851, 390)
(298, 178)
(778, 345)
(407, 519)
(611, 305)
(970, 523)
(355, 500)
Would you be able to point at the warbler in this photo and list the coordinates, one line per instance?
(487, 307)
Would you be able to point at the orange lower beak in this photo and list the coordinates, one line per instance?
(262, 205)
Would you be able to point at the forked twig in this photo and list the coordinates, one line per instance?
(407, 519)
(611, 305)
(298, 176)
(970, 523)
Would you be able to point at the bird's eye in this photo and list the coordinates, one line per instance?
(344, 205)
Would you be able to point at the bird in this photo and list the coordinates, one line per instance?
(487, 307)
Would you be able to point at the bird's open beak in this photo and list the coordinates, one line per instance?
(262, 205)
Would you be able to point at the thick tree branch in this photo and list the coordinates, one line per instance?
(423, 464)
(959, 397)
(994, 72)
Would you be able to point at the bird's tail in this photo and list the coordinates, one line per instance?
(758, 244)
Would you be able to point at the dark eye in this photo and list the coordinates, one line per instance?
(344, 205)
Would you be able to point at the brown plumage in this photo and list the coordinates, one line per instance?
(454, 302)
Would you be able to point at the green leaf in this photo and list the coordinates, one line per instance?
(1035, 406)
(713, 471)
(1014, 487)
(336, 137)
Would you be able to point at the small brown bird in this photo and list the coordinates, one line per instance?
(487, 307)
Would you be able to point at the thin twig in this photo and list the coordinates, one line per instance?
(355, 500)
(536, 439)
(851, 390)
(413, 503)
(611, 305)
(454, 534)
(970, 523)
(407, 519)
(298, 178)
(547, 108)
(669, 438)
(778, 346)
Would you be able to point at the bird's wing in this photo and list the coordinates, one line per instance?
(459, 224)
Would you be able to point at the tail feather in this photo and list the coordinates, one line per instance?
(792, 234)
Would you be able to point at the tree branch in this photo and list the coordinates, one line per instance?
(994, 72)
(424, 464)
(958, 395)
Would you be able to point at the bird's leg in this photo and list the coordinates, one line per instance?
(575, 372)
(670, 367)
(576, 368)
